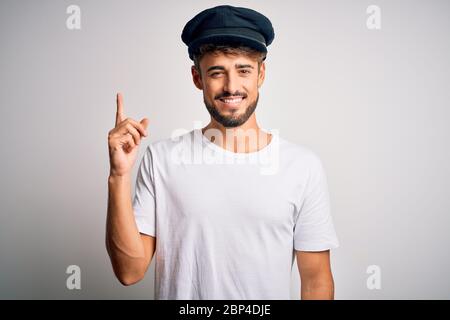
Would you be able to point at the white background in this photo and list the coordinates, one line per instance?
(373, 104)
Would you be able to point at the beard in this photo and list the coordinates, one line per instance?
(232, 121)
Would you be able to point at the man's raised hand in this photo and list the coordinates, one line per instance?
(124, 140)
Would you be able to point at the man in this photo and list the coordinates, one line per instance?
(219, 226)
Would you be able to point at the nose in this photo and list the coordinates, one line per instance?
(231, 83)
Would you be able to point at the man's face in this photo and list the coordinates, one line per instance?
(230, 87)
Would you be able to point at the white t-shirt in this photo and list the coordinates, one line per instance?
(226, 224)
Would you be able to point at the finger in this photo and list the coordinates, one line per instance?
(132, 130)
(144, 123)
(122, 128)
(130, 141)
(119, 113)
(137, 125)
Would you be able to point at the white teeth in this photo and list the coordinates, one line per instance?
(232, 100)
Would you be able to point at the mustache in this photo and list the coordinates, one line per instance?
(227, 94)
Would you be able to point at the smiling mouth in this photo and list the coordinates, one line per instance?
(231, 101)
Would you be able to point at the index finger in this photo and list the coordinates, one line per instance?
(119, 113)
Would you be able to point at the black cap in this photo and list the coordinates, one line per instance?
(228, 25)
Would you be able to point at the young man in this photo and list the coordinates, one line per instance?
(221, 223)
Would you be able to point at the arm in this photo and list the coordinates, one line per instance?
(315, 274)
(130, 252)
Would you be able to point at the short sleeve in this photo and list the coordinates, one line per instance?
(144, 207)
(314, 229)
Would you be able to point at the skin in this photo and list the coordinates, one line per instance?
(130, 252)
(315, 275)
(219, 76)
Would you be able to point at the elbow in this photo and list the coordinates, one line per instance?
(129, 279)
(127, 273)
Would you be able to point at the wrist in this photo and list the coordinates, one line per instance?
(114, 178)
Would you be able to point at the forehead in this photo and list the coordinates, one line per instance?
(225, 60)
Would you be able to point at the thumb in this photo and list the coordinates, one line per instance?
(144, 122)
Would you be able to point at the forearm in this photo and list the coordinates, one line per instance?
(318, 289)
(123, 240)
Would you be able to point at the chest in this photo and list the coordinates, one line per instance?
(230, 196)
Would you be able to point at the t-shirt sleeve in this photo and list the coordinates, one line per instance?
(144, 198)
(314, 229)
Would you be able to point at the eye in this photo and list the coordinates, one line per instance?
(245, 71)
(215, 74)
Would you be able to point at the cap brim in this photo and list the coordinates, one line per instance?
(226, 39)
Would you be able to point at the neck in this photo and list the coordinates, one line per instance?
(243, 139)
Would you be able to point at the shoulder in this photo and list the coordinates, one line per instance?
(170, 142)
(300, 153)
(165, 147)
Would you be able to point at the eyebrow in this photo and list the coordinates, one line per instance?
(215, 68)
(237, 66)
(240, 66)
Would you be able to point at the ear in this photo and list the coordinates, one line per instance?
(262, 74)
(197, 78)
